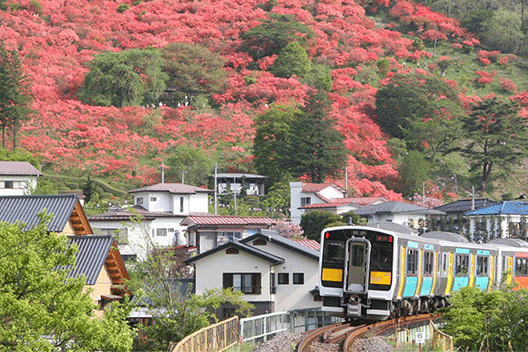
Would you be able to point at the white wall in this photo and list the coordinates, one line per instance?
(292, 296)
(22, 185)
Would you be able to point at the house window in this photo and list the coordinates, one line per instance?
(139, 200)
(153, 199)
(298, 278)
(181, 204)
(8, 184)
(305, 201)
(232, 251)
(284, 278)
(161, 232)
(246, 283)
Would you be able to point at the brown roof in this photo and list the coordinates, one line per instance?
(207, 220)
(18, 168)
(317, 187)
(172, 188)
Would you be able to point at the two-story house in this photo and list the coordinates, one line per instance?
(17, 178)
(97, 259)
(305, 197)
(274, 273)
(155, 218)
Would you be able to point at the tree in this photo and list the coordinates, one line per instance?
(192, 70)
(195, 164)
(292, 60)
(176, 312)
(503, 31)
(496, 137)
(274, 34)
(15, 93)
(413, 171)
(316, 147)
(272, 140)
(126, 78)
(41, 308)
(314, 222)
(417, 98)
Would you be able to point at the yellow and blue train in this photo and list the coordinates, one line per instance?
(376, 274)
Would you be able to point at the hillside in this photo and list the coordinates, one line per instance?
(57, 39)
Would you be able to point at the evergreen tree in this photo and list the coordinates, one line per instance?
(292, 60)
(316, 147)
(497, 137)
(15, 93)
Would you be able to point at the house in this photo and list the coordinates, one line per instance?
(206, 232)
(97, 259)
(306, 197)
(397, 212)
(228, 183)
(455, 213)
(155, 218)
(507, 219)
(17, 178)
(274, 273)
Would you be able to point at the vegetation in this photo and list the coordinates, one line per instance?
(41, 308)
(487, 321)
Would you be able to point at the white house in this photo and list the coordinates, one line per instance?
(274, 273)
(17, 178)
(396, 212)
(305, 197)
(155, 218)
(500, 220)
(234, 182)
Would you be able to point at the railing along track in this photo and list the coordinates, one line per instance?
(348, 333)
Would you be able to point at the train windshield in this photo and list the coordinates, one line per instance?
(334, 251)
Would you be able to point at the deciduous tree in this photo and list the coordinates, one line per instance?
(41, 308)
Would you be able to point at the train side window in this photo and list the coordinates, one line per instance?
(461, 268)
(482, 266)
(445, 262)
(412, 259)
(428, 263)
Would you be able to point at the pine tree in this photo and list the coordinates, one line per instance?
(15, 94)
(316, 148)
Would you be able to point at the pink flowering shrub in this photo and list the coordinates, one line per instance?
(288, 229)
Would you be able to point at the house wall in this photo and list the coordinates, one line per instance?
(292, 296)
(141, 237)
(102, 287)
(68, 229)
(210, 269)
(21, 185)
(199, 203)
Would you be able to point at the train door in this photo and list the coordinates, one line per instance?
(357, 265)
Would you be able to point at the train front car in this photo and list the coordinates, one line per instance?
(357, 272)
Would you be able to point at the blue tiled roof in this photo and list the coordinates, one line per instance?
(25, 209)
(505, 207)
(91, 257)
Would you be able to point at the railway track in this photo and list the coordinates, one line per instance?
(346, 333)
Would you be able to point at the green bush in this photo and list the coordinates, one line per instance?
(314, 222)
(123, 7)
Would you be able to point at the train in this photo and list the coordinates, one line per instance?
(369, 273)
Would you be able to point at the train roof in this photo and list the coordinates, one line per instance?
(511, 242)
(445, 236)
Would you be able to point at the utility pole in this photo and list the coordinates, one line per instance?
(162, 172)
(183, 176)
(215, 190)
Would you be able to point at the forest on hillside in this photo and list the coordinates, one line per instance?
(385, 93)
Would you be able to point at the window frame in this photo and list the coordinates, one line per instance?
(298, 278)
(283, 278)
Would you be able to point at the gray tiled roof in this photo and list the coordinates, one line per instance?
(26, 208)
(273, 259)
(396, 207)
(465, 205)
(91, 257)
(177, 188)
(18, 168)
(284, 242)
